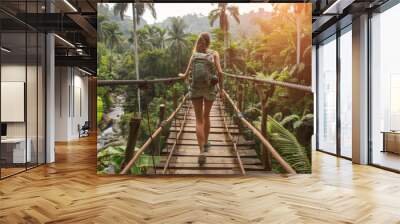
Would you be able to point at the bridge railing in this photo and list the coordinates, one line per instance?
(234, 104)
(146, 149)
(259, 91)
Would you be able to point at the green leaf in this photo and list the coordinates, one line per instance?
(278, 116)
(288, 147)
(289, 119)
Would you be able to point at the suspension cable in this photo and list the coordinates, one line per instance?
(273, 82)
(177, 136)
(234, 141)
(151, 138)
(154, 135)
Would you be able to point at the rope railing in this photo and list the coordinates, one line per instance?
(153, 136)
(273, 82)
(138, 82)
(177, 137)
(139, 161)
(234, 141)
(260, 136)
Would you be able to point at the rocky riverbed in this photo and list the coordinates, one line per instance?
(110, 134)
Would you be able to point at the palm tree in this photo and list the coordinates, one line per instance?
(138, 10)
(112, 36)
(298, 10)
(161, 36)
(143, 37)
(100, 20)
(295, 17)
(177, 38)
(221, 14)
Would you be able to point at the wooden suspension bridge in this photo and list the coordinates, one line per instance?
(230, 152)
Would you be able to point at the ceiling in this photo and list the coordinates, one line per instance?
(76, 22)
(332, 15)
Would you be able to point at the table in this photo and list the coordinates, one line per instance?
(391, 141)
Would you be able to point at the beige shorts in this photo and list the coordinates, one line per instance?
(208, 93)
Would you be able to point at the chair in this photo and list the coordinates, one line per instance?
(84, 130)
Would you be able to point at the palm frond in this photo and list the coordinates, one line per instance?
(278, 116)
(290, 118)
(234, 11)
(213, 16)
(140, 8)
(120, 9)
(150, 6)
(288, 146)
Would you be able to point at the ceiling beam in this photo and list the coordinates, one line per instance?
(337, 7)
(79, 61)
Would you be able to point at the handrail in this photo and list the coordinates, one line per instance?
(153, 136)
(273, 82)
(264, 141)
(138, 82)
(176, 141)
(233, 142)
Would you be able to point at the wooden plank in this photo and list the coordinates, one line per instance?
(210, 166)
(201, 172)
(214, 147)
(211, 152)
(213, 125)
(211, 137)
(212, 130)
(193, 118)
(193, 159)
(221, 143)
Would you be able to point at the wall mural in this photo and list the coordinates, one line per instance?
(201, 88)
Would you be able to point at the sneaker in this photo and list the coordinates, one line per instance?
(206, 146)
(202, 159)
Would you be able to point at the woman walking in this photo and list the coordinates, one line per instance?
(205, 73)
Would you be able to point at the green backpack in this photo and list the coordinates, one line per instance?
(203, 70)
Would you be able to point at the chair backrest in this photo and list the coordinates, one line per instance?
(86, 125)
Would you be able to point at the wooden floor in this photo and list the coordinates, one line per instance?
(386, 159)
(221, 156)
(69, 191)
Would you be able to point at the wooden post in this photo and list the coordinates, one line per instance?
(239, 103)
(175, 99)
(265, 155)
(240, 97)
(134, 125)
(160, 119)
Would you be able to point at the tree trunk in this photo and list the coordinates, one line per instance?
(179, 58)
(225, 46)
(136, 55)
(298, 39)
(265, 155)
(110, 61)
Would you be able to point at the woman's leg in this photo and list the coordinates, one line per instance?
(198, 110)
(206, 118)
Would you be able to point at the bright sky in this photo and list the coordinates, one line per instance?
(165, 10)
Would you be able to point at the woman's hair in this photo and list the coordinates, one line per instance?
(202, 43)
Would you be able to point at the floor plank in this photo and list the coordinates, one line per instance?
(69, 191)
